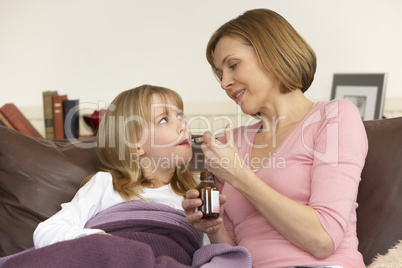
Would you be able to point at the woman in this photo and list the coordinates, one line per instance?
(289, 183)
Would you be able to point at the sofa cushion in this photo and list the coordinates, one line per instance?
(36, 176)
(379, 215)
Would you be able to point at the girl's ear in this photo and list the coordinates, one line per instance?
(140, 151)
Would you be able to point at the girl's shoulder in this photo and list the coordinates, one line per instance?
(103, 174)
(100, 178)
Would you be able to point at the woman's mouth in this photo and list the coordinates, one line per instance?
(237, 95)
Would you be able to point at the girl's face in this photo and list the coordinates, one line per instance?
(164, 142)
(241, 76)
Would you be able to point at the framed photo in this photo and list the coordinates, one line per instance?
(366, 91)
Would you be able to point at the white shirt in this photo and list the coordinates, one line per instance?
(95, 196)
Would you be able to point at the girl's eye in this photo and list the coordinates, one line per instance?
(163, 120)
(180, 115)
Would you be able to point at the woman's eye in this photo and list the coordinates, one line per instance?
(163, 120)
(233, 66)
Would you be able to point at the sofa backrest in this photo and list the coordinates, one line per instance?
(379, 215)
(37, 175)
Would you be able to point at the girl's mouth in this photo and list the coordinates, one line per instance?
(185, 142)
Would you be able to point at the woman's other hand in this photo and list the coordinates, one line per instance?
(194, 217)
(214, 228)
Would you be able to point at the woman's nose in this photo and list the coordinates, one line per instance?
(226, 82)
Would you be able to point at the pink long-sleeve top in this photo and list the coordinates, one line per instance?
(319, 164)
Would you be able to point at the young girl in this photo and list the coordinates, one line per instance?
(143, 142)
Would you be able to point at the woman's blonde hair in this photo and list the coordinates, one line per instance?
(118, 136)
(281, 51)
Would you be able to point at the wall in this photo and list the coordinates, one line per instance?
(93, 49)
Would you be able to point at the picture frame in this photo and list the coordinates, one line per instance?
(366, 91)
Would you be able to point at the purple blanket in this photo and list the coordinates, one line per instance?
(142, 235)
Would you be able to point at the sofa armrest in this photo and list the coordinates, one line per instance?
(36, 176)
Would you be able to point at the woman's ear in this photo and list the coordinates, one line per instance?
(140, 151)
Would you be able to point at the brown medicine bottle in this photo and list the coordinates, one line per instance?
(209, 195)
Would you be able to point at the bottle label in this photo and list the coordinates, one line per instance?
(215, 201)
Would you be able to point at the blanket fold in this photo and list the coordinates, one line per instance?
(142, 234)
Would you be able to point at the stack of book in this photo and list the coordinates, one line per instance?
(12, 117)
(61, 116)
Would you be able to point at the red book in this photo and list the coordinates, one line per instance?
(58, 116)
(19, 121)
(6, 123)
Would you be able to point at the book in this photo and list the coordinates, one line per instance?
(5, 122)
(18, 120)
(48, 113)
(58, 115)
(71, 119)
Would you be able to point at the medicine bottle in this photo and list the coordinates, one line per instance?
(209, 195)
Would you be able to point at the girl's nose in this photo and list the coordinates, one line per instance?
(182, 125)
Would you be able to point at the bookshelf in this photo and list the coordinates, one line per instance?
(392, 108)
(35, 116)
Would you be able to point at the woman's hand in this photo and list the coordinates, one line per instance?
(223, 159)
(214, 228)
(191, 202)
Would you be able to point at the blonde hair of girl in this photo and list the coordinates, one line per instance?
(118, 137)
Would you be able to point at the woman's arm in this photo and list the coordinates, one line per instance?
(296, 222)
(300, 224)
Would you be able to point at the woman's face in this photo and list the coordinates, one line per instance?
(241, 75)
(165, 142)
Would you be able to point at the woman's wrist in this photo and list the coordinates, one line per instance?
(239, 180)
(221, 236)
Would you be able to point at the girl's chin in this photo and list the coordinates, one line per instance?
(183, 158)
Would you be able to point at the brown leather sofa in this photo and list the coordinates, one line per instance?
(37, 175)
